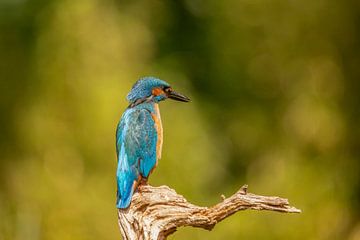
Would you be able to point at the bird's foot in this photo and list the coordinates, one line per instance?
(143, 182)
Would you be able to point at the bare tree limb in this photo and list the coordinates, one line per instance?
(156, 212)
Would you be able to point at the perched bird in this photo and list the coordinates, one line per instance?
(139, 135)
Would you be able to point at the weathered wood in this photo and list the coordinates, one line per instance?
(156, 212)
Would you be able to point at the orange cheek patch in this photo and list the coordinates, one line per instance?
(157, 91)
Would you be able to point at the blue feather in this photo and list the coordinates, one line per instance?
(136, 140)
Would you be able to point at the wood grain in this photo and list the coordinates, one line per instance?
(156, 212)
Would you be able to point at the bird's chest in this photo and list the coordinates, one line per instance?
(159, 130)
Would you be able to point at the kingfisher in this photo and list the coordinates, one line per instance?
(139, 135)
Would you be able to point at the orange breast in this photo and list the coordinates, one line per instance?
(159, 130)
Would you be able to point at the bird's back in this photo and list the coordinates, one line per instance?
(138, 145)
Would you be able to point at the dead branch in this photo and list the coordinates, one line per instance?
(156, 212)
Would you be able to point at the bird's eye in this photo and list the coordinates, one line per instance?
(167, 89)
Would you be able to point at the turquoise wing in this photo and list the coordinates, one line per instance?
(136, 139)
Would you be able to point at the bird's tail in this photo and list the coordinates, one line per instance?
(126, 183)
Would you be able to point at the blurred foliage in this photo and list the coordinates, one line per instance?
(275, 90)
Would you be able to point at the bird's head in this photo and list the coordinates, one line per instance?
(153, 89)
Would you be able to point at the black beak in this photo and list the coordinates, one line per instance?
(178, 97)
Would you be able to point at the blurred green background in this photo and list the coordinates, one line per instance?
(275, 104)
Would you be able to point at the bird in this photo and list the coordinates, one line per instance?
(139, 135)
